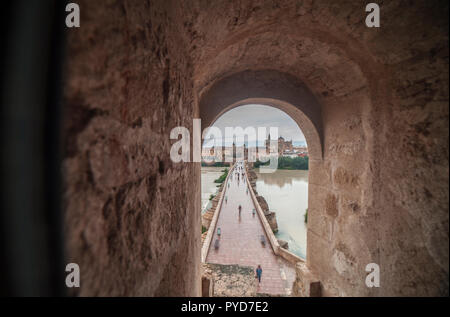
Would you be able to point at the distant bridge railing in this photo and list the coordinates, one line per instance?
(212, 226)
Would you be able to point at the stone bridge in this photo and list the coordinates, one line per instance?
(240, 236)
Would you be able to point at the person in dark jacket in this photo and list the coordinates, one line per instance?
(259, 273)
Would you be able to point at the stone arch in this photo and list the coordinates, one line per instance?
(272, 88)
(383, 101)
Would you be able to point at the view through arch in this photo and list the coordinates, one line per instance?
(282, 195)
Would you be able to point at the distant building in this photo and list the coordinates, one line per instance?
(283, 146)
(301, 151)
(220, 154)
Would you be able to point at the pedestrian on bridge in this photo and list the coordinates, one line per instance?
(240, 208)
(219, 232)
(259, 273)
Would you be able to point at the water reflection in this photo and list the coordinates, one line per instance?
(279, 180)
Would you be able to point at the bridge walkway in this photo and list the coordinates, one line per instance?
(240, 241)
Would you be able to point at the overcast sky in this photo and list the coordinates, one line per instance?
(259, 116)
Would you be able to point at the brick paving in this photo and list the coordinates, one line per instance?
(240, 241)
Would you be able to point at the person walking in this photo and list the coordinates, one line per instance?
(247, 191)
(219, 232)
(240, 208)
(259, 273)
(253, 212)
(226, 199)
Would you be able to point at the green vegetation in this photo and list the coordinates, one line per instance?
(288, 163)
(222, 177)
(204, 229)
(215, 164)
(211, 196)
(306, 216)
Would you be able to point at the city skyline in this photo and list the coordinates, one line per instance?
(256, 115)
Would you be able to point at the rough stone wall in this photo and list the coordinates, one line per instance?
(306, 283)
(132, 216)
(413, 196)
(379, 194)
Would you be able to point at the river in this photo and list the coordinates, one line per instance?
(209, 175)
(286, 193)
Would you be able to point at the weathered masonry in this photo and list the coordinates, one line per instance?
(372, 102)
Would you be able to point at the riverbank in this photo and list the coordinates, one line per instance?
(288, 163)
(208, 185)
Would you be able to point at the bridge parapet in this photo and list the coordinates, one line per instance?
(277, 249)
(212, 226)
